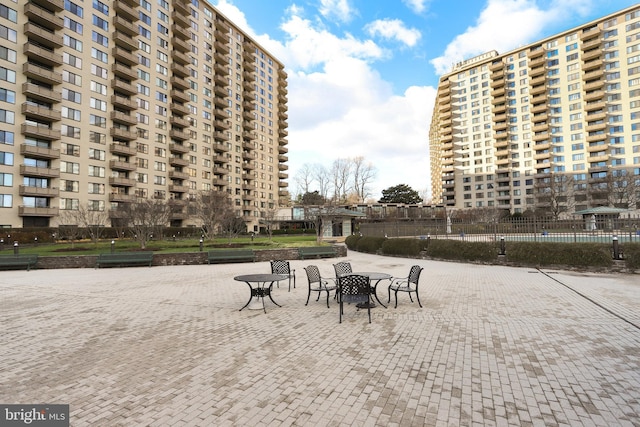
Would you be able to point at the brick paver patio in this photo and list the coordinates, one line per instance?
(167, 346)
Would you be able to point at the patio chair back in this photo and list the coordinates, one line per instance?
(284, 268)
(407, 284)
(342, 268)
(318, 284)
(354, 288)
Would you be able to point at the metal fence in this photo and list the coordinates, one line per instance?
(599, 229)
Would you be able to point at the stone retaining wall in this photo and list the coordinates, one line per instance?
(178, 258)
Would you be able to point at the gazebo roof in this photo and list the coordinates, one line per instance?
(601, 210)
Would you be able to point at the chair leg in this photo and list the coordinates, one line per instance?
(418, 298)
(327, 298)
(308, 296)
(396, 295)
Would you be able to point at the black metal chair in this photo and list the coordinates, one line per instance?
(407, 284)
(318, 284)
(284, 268)
(342, 268)
(354, 288)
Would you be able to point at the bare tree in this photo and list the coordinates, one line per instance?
(363, 174)
(69, 226)
(232, 225)
(340, 174)
(269, 218)
(554, 194)
(93, 221)
(146, 217)
(304, 179)
(212, 208)
(322, 179)
(622, 189)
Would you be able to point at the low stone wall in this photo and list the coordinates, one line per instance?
(178, 258)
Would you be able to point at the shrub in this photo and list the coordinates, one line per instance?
(631, 255)
(573, 254)
(464, 251)
(405, 247)
(352, 241)
(370, 244)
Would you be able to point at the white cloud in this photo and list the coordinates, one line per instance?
(418, 6)
(339, 9)
(394, 29)
(504, 25)
(340, 107)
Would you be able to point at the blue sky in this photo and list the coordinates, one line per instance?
(363, 73)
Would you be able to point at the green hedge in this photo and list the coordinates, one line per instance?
(370, 244)
(352, 241)
(573, 254)
(462, 251)
(405, 247)
(631, 252)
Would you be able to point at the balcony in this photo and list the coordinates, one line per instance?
(125, 10)
(179, 122)
(173, 188)
(179, 95)
(591, 65)
(122, 166)
(41, 92)
(123, 134)
(180, 32)
(179, 70)
(590, 33)
(180, 57)
(43, 36)
(178, 161)
(125, 26)
(179, 148)
(127, 119)
(596, 95)
(591, 54)
(179, 83)
(124, 87)
(220, 147)
(179, 108)
(37, 152)
(121, 197)
(124, 56)
(40, 132)
(182, 7)
(222, 26)
(591, 44)
(41, 74)
(221, 124)
(42, 55)
(180, 19)
(33, 211)
(179, 45)
(178, 175)
(122, 102)
(595, 127)
(124, 71)
(39, 172)
(125, 40)
(122, 149)
(55, 5)
(31, 191)
(41, 112)
(118, 181)
(43, 17)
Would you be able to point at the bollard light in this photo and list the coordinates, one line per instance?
(16, 249)
(616, 248)
(502, 246)
(201, 241)
(35, 239)
(113, 246)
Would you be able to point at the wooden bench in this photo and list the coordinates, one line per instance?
(18, 261)
(125, 259)
(231, 255)
(316, 252)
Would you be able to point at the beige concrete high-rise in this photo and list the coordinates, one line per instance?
(553, 126)
(106, 101)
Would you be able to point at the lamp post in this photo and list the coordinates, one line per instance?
(113, 245)
(16, 249)
(201, 241)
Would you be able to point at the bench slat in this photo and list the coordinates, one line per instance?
(231, 255)
(316, 251)
(132, 258)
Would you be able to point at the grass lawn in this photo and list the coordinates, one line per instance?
(167, 245)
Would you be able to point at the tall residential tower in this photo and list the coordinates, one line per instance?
(106, 101)
(552, 126)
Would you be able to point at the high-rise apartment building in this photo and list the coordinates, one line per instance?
(106, 101)
(553, 126)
